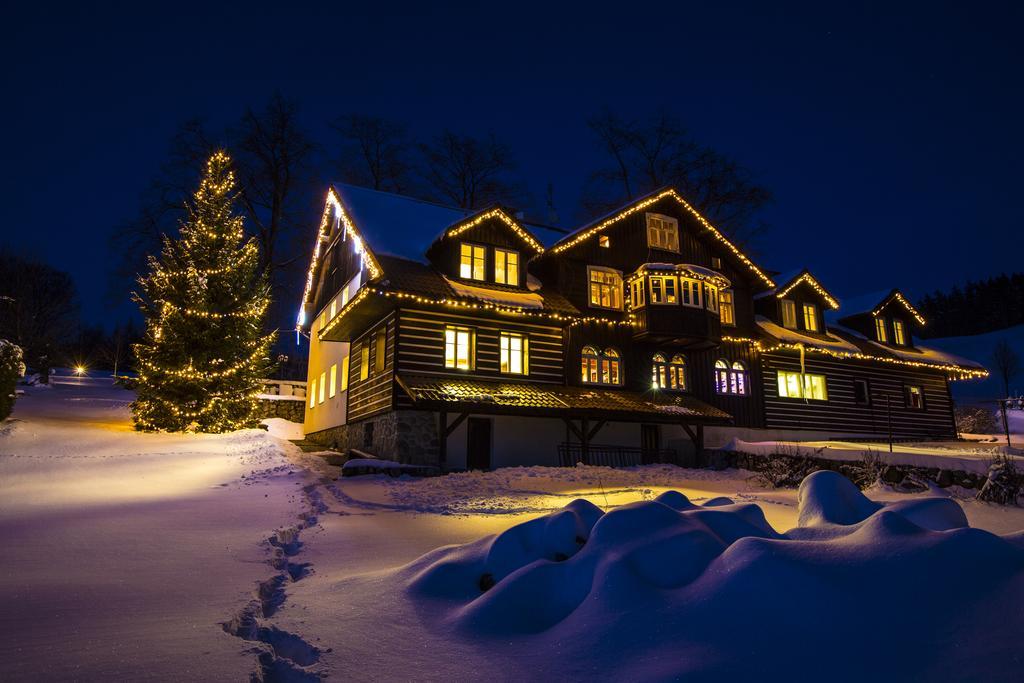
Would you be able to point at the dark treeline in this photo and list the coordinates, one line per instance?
(976, 308)
(283, 168)
(39, 313)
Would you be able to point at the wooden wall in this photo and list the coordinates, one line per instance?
(841, 413)
(421, 345)
(374, 394)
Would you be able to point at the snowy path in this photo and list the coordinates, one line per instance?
(126, 551)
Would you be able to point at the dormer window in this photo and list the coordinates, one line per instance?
(506, 267)
(472, 261)
(810, 317)
(899, 335)
(880, 331)
(662, 232)
(788, 313)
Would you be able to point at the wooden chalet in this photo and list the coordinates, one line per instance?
(473, 339)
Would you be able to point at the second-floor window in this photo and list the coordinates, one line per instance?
(788, 313)
(458, 348)
(601, 367)
(880, 330)
(381, 351)
(506, 267)
(364, 360)
(726, 307)
(662, 232)
(663, 289)
(810, 317)
(690, 292)
(899, 334)
(605, 288)
(712, 298)
(472, 260)
(915, 397)
(637, 293)
(513, 351)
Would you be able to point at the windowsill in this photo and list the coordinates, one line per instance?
(664, 249)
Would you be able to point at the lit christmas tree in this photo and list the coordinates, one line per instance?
(204, 301)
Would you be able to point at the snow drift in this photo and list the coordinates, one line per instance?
(666, 589)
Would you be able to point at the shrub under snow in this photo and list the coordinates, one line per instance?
(975, 420)
(11, 368)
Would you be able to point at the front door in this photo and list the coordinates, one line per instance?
(478, 448)
(650, 443)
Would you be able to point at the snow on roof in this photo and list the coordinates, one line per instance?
(788, 336)
(921, 354)
(852, 305)
(396, 224)
(501, 297)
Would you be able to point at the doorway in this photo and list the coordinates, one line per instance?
(650, 443)
(478, 445)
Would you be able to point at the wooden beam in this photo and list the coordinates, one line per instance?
(689, 432)
(572, 428)
(585, 442)
(442, 440)
(455, 425)
(595, 430)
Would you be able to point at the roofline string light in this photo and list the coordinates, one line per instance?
(899, 297)
(358, 244)
(587, 233)
(809, 279)
(506, 219)
(955, 371)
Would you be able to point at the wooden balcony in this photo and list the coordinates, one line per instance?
(678, 325)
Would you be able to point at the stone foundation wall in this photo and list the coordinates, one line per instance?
(289, 410)
(408, 436)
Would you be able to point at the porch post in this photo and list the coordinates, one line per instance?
(584, 442)
(442, 440)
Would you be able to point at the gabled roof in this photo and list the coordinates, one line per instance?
(788, 281)
(595, 227)
(497, 213)
(872, 303)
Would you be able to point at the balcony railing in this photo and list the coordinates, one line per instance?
(612, 456)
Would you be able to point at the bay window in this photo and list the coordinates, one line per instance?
(605, 288)
(663, 289)
(690, 292)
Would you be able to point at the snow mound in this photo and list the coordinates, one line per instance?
(284, 429)
(666, 584)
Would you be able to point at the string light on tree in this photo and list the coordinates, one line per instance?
(204, 353)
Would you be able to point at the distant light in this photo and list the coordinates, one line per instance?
(80, 369)
(654, 385)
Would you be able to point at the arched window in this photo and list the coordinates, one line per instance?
(731, 378)
(590, 358)
(600, 367)
(668, 375)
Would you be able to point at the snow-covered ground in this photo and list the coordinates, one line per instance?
(128, 551)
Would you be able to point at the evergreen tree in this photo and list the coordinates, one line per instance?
(203, 353)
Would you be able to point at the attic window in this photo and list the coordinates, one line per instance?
(810, 317)
(880, 330)
(471, 263)
(788, 313)
(604, 241)
(506, 267)
(898, 334)
(662, 232)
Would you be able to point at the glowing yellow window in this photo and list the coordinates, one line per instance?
(471, 262)
(322, 386)
(334, 381)
(726, 310)
(458, 348)
(810, 317)
(364, 360)
(880, 330)
(506, 267)
(514, 353)
(788, 313)
(898, 334)
(312, 393)
(797, 385)
(604, 242)
(344, 373)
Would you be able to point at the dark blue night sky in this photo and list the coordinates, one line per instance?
(891, 138)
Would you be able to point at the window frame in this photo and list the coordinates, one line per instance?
(637, 293)
(899, 332)
(364, 361)
(344, 371)
(502, 255)
(907, 393)
(881, 333)
(611, 287)
(810, 313)
(688, 287)
(864, 382)
(452, 362)
(604, 241)
(666, 283)
(505, 353)
(669, 375)
(787, 310)
(333, 390)
(724, 306)
(473, 247)
(598, 367)
(322, 389)
(805, 382)
(666, 223)
(711, 297)
(380, 350)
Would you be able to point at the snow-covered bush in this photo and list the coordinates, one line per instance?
(1004, 482)
(975, 420)
(787, 468)
(11, 368)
